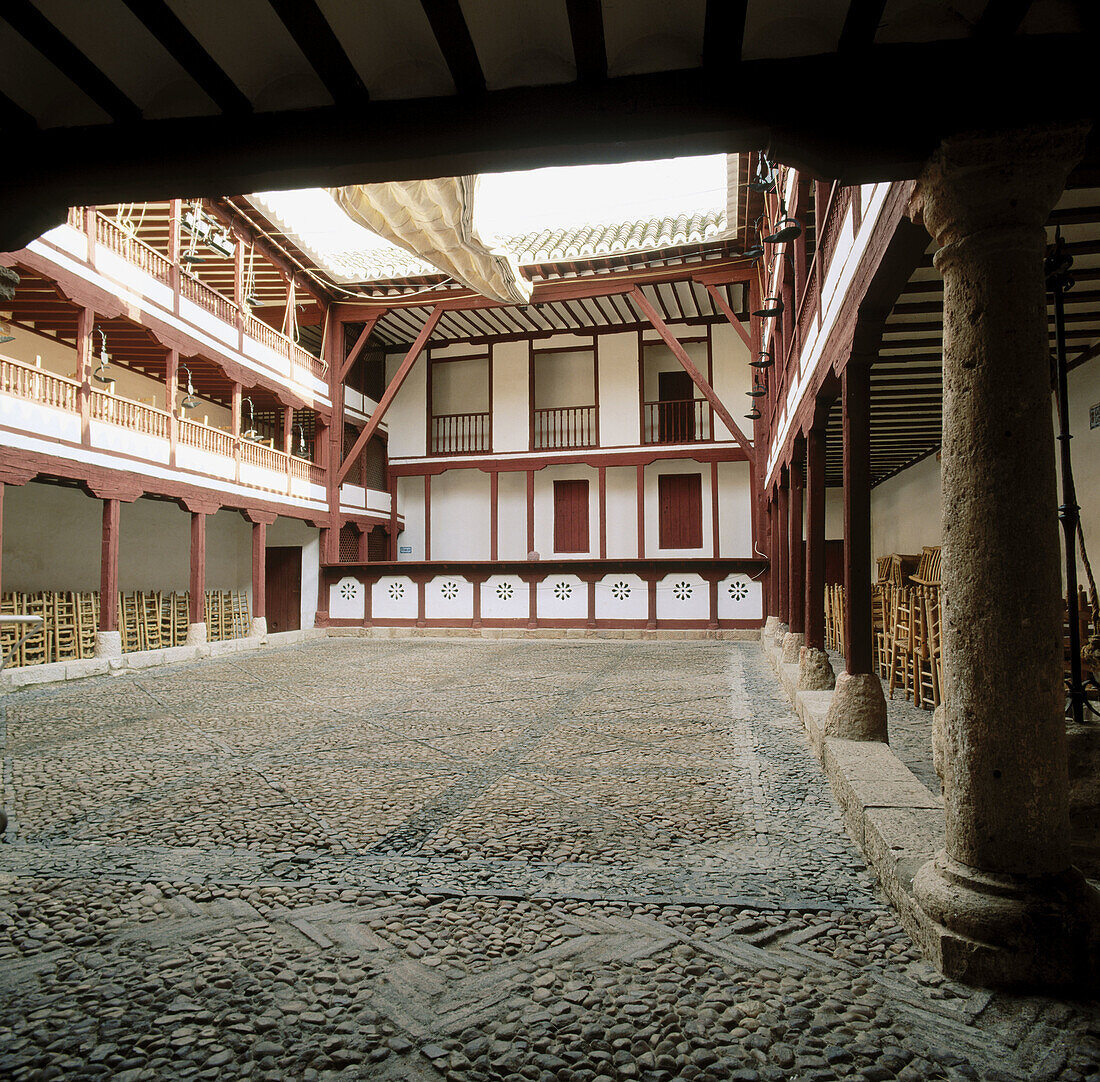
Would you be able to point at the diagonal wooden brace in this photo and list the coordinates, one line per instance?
(391, 393)
(686, 363)
(728, 312)
(360, 342)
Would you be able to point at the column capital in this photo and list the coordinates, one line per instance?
(995, 180)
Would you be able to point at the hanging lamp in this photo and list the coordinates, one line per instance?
(764, 359)
(190, 401)
(764, 181)
(101, 375)
(754, 414)
(5, 331)
(250, 433)
(773, 306)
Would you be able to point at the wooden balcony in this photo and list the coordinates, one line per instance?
(686, 421)
(564, 427)
(140, 431)
(461, 433)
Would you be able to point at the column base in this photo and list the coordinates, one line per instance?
(858, 709)
(259, 627)
(196, 634)
(768, 630)
(777, 635)
(108, 644)
(1009, 931)
(793, 642)
(815, 673)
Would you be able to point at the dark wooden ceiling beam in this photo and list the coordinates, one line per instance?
(589, 48)
(622, 119)
(1001, 18)
(860, 25)
(165, 25)
(455, 43)
(14, 118)
(723, 34)
(321, 47)
(27, 21)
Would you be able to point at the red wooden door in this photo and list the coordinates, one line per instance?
(676, 412)
(283, 583)
(570, 516)
(680, 501)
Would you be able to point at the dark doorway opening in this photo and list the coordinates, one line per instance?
(676, 411)
(283, 576)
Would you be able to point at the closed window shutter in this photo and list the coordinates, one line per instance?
(680, 506)
(570, 516)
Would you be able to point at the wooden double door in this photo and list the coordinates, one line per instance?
(283, 586)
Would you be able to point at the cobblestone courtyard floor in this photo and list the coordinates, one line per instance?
(416, 859)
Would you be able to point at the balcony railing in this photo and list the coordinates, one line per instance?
(139, 254)
(126, 413)
(123, 243)
(563, 427)
(460, 433)
(683, 421)
(26, 381)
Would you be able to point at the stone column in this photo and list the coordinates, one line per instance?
(108, 640)
(858, 709)
(1002, 902)
(796, 603)
(815, 673)
(783, 555)
(196, 619)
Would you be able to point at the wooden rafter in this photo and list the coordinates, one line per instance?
(731, 316)
(586, 30)
(166, 26)
(14, 117)
(360, 342)
(391, 392)
(724, 34)
(455, 43)
(860, 25)
(27, 21)
(321, 47)
(697, 377)
(1001, 18)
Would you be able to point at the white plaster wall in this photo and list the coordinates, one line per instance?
(347, 599)
(460, 510)
(622, 597)
(394, 597)
(510, 397)
(564, 379)
(732, 377)
(410, 503)
(683, 596)
(905, 511)
(652, 507)
(544, 510)
(460, 386)
(619, 417)
(52, 539)
(448, 597)
(734, 509)
(562, 597)
(292, 531)
(834, 513)
(512, 516)
(406, 416)
(505, 597)
(622, 512)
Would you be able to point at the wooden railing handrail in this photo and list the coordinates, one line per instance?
(4, 358)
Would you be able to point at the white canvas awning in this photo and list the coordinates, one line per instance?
(434, 220)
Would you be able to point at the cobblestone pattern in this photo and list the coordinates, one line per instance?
(418, 860)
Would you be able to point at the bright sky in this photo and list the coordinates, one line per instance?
(511, 204)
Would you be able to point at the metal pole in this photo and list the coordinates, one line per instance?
(1059, 282)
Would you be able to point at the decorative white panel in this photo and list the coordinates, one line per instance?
(505, 597)
(347, 599)
(683, 597)
(622, 597)
(449, 597)
(739, 598)
(393, 597)
(563, 597)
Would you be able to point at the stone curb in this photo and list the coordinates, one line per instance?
(893, 818)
